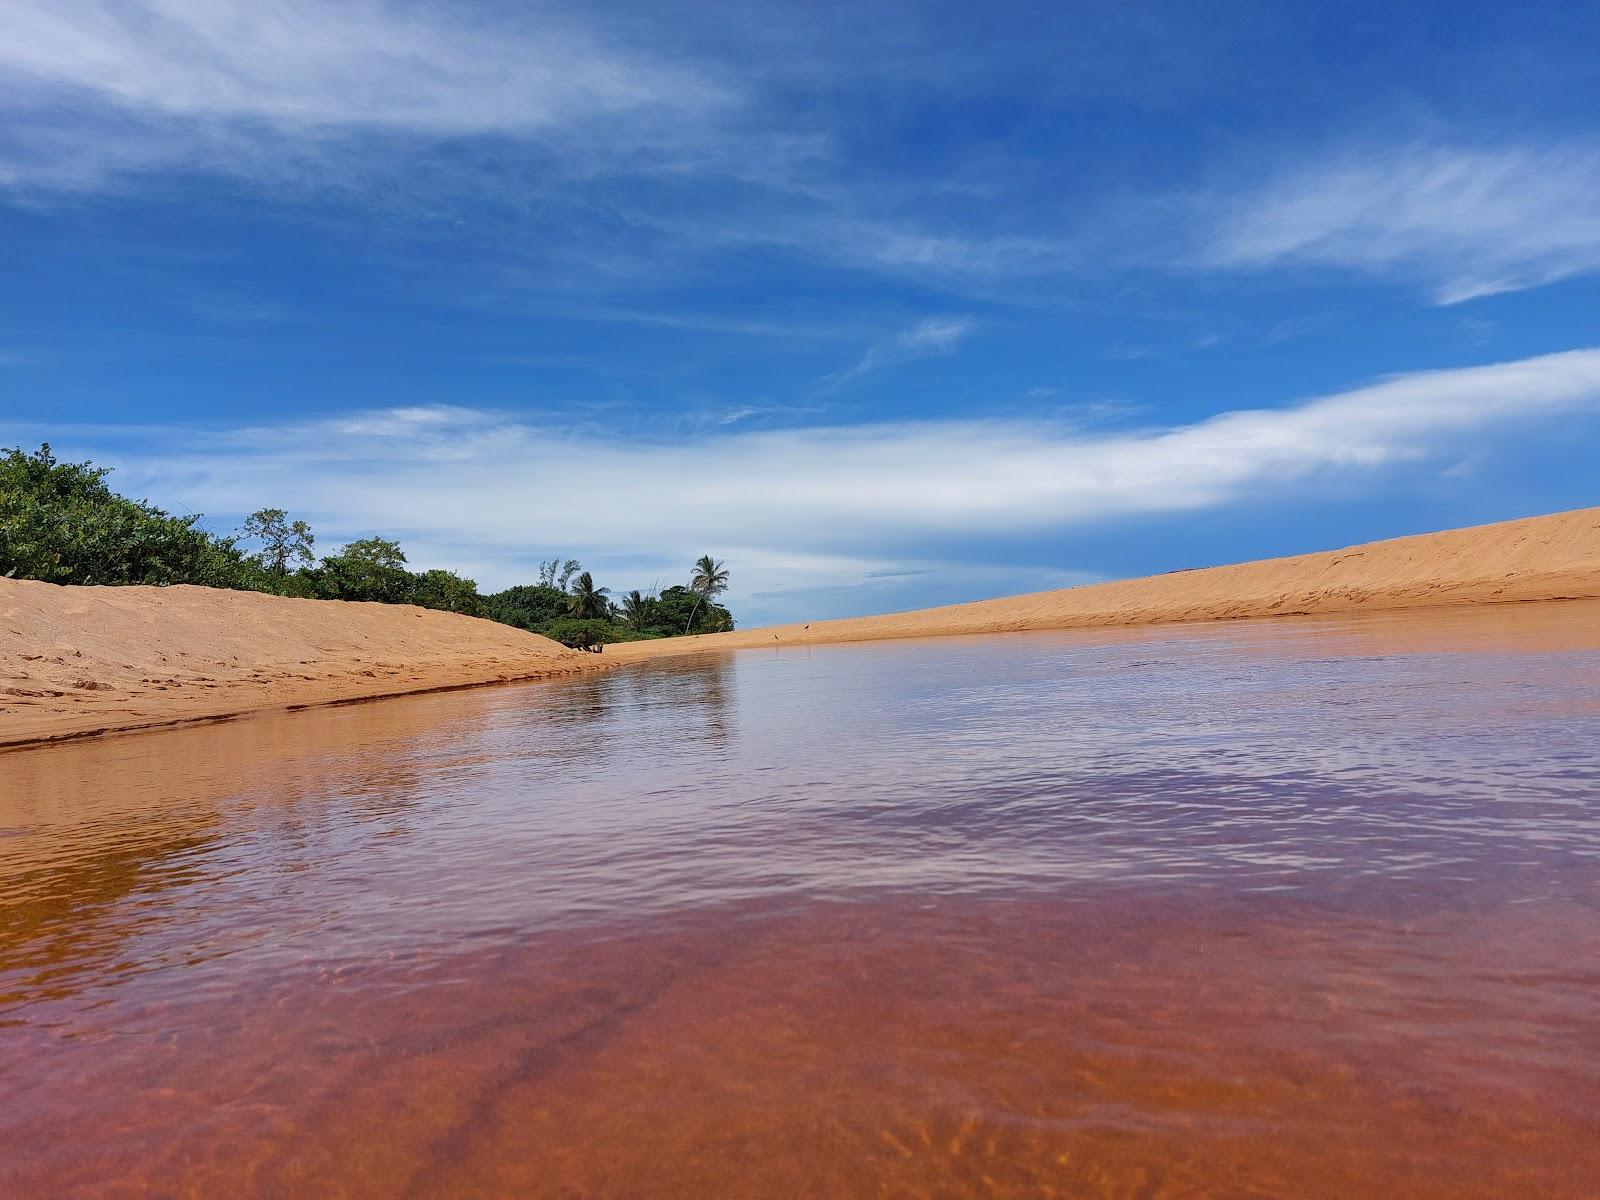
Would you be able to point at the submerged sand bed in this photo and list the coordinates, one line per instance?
(81, 660)
(1538, 558)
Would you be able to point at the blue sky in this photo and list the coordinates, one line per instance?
(884, 304)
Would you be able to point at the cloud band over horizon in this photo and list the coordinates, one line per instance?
(809, 506)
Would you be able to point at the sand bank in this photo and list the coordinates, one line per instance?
(81, 660)
(1538, 558)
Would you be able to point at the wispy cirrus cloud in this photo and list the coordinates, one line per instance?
(511, 126)
(588, 151)
(928, 338)
(304, 91)
(306, 63)
(1459, 222)
(807, 507)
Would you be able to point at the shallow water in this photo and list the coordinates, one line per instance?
(1298, 908)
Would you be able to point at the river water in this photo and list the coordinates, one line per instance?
(1305, 908)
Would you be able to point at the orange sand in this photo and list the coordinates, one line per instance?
(83, 660)
(1537, 558)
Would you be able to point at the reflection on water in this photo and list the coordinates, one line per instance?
(1283, 909)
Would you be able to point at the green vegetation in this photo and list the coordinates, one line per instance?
(707, 581)
(62, 523)
(529, 606)
(584, 633)
(589, 603)
(282, 541)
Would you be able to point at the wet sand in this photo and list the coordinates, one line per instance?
(77, 661)
(1260, 909)
(1538, 558)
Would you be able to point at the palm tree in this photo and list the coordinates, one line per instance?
(588, 600)
(708, 579)
(635, 611)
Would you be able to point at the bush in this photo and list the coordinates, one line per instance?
(60, 522)
(366, 569)
(529, 606)
(448, 592)
(674, 608)
(583, 633)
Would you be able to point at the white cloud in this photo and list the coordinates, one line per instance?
(807, 507)
(926, 339)
(513, 123)
(1460, 222)
(297, 93)
(310, 63)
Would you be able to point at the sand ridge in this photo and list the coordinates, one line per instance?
(1536, 558)
(76, 661)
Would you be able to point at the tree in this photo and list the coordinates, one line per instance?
(636, 610)
(708, 580)
(282, 541)
(678, 609)
(448, 592)
(366, 569)
(61, 522)
(553, 573)
(589, 601)
(529, 606)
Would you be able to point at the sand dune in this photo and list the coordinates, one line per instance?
(82, 660)
(1537, 558)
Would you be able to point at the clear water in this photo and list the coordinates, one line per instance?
(1302, 908)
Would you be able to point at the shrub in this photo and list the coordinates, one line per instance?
(583, 633)
(60, 522)
(529, 606)
(448, 592)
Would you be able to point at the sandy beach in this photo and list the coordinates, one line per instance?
(76, 661)
(1553, 557)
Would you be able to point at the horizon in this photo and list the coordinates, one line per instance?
(887, 310)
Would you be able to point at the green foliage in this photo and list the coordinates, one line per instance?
(366, 569)
(707, 579)
(679, 611)
(528, 606)
(588, 601)
(282, 541)
(448, 592)
(61, 522)
(636, 610)
(583, 633)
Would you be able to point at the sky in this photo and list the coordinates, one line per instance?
(885, 305)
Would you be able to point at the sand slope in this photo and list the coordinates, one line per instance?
(80, 660)
(1538, 558)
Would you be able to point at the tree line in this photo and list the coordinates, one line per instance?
(62, 523)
